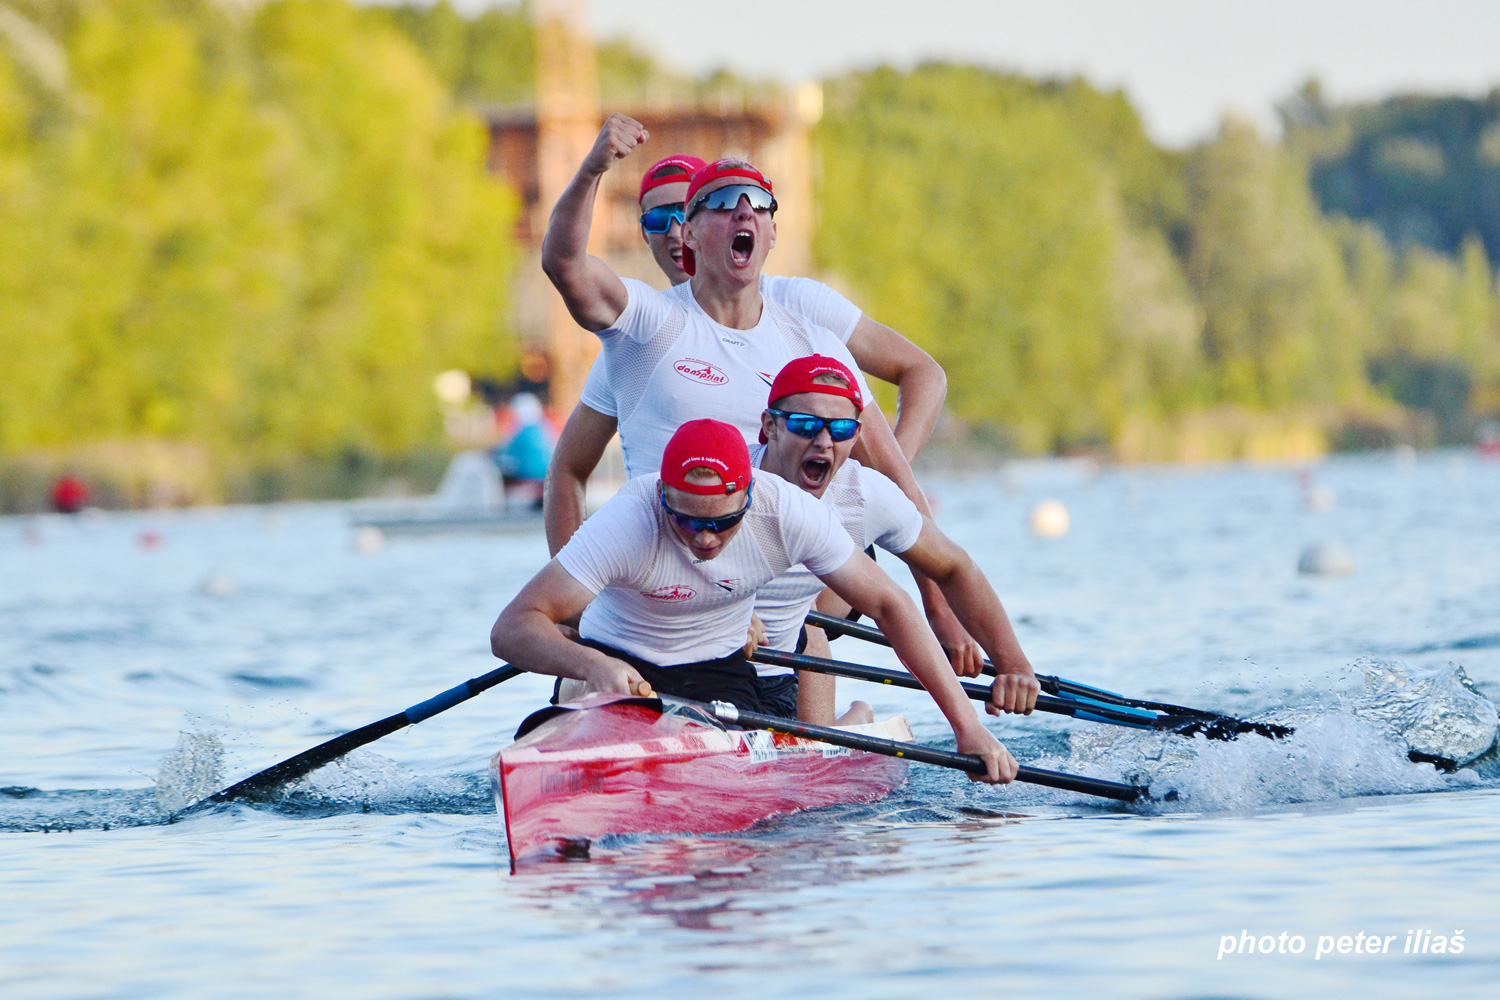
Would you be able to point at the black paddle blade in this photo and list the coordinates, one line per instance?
(1224, 727)
(258, 787)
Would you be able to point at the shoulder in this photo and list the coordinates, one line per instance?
(813, 301)
(646, 311)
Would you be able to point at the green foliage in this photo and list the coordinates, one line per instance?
(1426, 170)
(1075, 280)
(1281, 326)
(264, 230)
(985, 216)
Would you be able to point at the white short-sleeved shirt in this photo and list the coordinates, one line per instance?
(656, 601)
(815, 308)
(873, 510)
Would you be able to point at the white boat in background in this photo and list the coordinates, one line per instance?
(471, 498)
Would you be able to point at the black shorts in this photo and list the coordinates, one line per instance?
(729, 678)
(779, 694)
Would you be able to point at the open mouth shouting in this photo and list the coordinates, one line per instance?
(741, 247)
(814, 472)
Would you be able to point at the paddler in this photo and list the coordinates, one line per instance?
(710, 345)
(808, 429)
(665, 575)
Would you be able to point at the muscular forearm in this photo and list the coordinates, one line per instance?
(580, 446)
(920, 392)
(877, 448)
(979, 610)
(920, 652)
(563, 499)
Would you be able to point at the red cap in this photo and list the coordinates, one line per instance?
(712, 172)
(725, 168)
(660, 174)
(798, 374)
(709, 444)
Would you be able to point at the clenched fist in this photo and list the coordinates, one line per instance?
(619, 136)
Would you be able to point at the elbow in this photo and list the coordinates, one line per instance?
(934, 376)
(502, 634)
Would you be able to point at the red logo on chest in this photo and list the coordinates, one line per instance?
(699, 371)
(671, 592)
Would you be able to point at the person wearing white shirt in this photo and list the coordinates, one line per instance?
(730, 292)
(665, 576)
(809, 427)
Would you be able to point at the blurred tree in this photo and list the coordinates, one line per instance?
(1281, 325)
(261, 229)
(983, 216)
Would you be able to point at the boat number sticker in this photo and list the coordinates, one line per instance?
(833, 751)
(762, 746)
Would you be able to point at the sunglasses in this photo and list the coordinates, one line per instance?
(717, 525)
(659, 219)
(726, 199)
(806, 425)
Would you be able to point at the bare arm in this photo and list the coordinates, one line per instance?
(580, 446)
(863, 584)
(979, 609)
(593, 292)
(526, 635)
(877, 448)
(921, 384)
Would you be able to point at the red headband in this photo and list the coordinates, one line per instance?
(690, 166)
(798, 374)
(710, 444)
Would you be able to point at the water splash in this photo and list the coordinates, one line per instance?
(1356, 749)
(1436, 712)
(191, 771)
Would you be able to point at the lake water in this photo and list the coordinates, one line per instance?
(134, 645)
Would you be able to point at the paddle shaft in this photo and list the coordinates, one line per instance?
(969, 763)
(836, 627)
(1090, 712)
(259, 784)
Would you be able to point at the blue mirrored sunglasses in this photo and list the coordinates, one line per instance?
(806, 425)
(725, 199)
(659, 219)
(717, 525)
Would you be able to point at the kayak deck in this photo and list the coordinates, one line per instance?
(615, 765)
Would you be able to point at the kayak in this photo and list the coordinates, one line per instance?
(612, 764)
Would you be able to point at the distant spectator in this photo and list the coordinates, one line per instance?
(523, 458)
(69, 495)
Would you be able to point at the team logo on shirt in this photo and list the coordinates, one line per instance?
(767, 379)
(700, 371)
(671, 592)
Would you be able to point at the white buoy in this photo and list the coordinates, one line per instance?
(219, 585)
(368, 540)
(1318, 497)
(1049, 519)
(1326, 559)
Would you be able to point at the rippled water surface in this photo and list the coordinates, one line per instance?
(147, 658)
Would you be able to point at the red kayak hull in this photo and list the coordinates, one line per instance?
(616, 766)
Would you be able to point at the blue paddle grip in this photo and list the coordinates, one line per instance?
(1088, 716)
(438, 703)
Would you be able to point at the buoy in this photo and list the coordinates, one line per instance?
(149, 539)
(1318, 497)
(368, 540)
(69, 494)
(219, 585)
(1049, 519)
(1326, 559)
